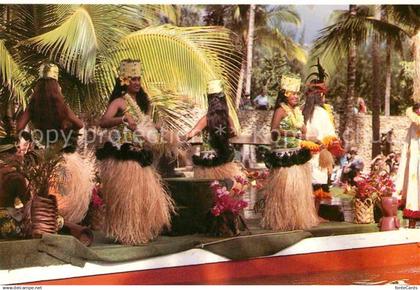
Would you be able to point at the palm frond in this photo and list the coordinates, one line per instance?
(334, 40)
(283, 14)
(74, 44)
(12, 76)
(173, 110)
(182, 60)
(275, 38)
(85, 31)
(407, 16)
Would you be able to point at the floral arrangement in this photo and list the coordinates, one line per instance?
(411, 214)
(97, 201)
(321, 194)
(374, 185)
(257, 178)
(229, 201)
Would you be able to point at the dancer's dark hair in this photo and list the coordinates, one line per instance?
(218, 122)
(312, 99)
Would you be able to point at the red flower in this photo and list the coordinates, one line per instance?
(96, 199)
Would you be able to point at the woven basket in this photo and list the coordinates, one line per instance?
(40, 216)
(363, 211)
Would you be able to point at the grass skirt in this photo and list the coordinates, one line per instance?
(73, 187)
(137, 205)
(227, 170)
(289, 201)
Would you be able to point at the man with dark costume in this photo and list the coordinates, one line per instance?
(319, 123)
(137, 206)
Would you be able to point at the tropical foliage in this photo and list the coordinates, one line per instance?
(363, 25)
(88, 42)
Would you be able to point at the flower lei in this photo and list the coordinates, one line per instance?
(295, 115)
(331, 143)
(134, 106)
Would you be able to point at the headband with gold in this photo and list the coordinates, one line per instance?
(291, 84)
(129, 69)
(214, 87)
(48, 70)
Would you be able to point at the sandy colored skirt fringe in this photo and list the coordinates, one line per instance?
(227, 170)
(73, 187)
(289, 201)
(137, 205)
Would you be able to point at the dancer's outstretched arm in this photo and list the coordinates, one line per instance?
(201, 124)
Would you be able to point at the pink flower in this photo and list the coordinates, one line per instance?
(215, 184)
(96, 199)
(241, 180)
(215, 211)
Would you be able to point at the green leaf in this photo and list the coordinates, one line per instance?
(12, 76)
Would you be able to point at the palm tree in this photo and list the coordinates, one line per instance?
(357, 25)
(268, 31)
(250, 46)
(88, 41)
(376, 100)
(407, 22)
(338, 39)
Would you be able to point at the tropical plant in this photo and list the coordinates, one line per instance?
(88, 42)
(406, 20)
(360, 24)
(249, 49)
(275, 51)
(270, 37)
(376, 96)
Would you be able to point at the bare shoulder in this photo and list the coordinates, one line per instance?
(118, 104)
(280, 111)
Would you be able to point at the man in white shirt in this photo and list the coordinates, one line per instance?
(261, 101)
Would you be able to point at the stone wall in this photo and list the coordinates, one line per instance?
(259, 122)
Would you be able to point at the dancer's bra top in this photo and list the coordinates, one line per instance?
(293, 122)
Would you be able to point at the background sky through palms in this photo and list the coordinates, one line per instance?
(314, 18)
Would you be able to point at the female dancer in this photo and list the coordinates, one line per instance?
(289, 203)
(56, 124)
(137, 205)
(215, 161)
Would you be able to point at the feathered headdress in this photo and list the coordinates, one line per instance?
(317, 83)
